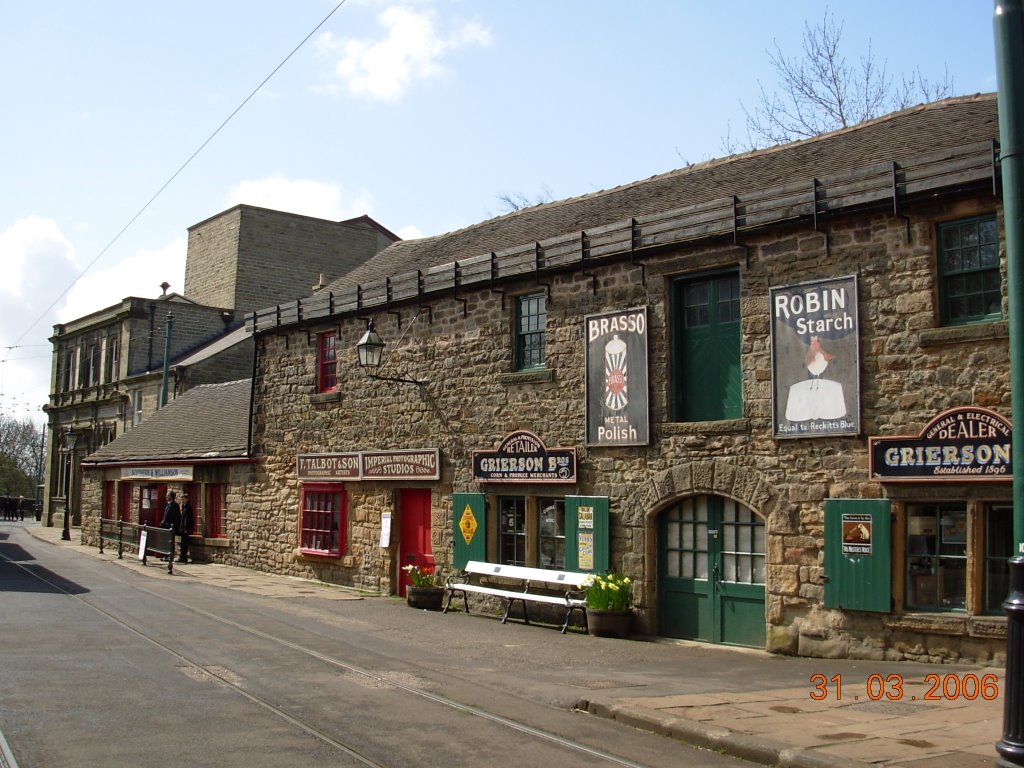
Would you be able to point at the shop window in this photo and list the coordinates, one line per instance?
(327, 362)
(109, 499)
(323, 519)
(970, 284)
(937, 556)
(532, 531)
(998, 551)
(216, 497)
(706, 380)
(530, 332)
(551, 534)
(124, 502)
(512, 530)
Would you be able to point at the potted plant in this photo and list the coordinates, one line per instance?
(423, 590)
(609, 605)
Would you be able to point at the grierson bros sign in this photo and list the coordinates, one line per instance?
(523, 457)
(960, 444)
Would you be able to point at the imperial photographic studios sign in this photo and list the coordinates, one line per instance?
(815, 330)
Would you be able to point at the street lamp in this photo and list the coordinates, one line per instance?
(70, 438)
(370, 348)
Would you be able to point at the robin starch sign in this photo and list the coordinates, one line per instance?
(815, 358)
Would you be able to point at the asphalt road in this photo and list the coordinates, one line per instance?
(102, 666)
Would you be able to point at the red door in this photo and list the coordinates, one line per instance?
(151, 504)
(414, 536)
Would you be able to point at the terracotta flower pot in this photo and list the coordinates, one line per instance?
(610, 623)
(427, 598)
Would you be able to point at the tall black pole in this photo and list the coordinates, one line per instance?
(167, 360)
(1008, 26)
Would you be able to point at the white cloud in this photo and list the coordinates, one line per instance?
(303, 196)
(411, 49)
(410, 232)
(37, 262)
(138, 275)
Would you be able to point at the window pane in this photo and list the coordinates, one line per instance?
(531, 321)
(937, 556)
(971, 283)
(998, 550)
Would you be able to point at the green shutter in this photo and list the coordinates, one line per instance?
(858, 567)
(469, 528)
(587, 541)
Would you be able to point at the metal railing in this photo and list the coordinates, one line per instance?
(146, 540)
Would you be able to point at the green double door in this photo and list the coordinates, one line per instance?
(711, 569)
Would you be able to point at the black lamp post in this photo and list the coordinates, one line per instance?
(70, 438)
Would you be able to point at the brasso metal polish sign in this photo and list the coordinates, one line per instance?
(616, 388)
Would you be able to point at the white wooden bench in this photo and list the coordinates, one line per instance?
(520, 584)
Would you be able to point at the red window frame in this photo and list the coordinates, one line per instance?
(327, 361)
(109, 497)
(216, 495)
(323, 519)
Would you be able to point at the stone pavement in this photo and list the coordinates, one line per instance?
(905, 716)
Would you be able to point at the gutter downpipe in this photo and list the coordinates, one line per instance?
(1008, 27)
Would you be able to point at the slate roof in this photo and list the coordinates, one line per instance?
(948, 123)
(215, 347)
(210, 421)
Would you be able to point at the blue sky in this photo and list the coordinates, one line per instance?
(418, 113)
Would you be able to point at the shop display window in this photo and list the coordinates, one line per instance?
(937, 556)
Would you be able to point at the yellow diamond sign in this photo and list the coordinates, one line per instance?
(467, 524)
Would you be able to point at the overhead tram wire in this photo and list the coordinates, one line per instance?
(175, 175)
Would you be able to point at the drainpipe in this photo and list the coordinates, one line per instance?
(1008, 25)
(167, 360)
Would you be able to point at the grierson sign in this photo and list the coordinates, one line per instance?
(961, 444)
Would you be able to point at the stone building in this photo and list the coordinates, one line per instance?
(108, 367)
(196, 445)
(769, 388)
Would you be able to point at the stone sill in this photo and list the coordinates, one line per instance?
(318, 398)
(727, 426)
(949, 624)
(527, 377)
(963, 334)
(222, 543)
(345, 561)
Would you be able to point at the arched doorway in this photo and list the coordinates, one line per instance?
(711, 571)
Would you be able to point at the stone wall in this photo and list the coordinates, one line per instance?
(910, 370)
(249, 258)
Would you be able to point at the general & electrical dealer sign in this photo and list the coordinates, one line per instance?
(961, 444)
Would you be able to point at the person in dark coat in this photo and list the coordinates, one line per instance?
(188, 522)
(172, 516)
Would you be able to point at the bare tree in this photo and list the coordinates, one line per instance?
(819, 91)
(516, 201)
(20, 456)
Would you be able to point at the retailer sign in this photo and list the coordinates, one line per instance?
(962, 444)
(522, 457)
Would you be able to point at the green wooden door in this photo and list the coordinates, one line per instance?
(706, 377)
(711, 572)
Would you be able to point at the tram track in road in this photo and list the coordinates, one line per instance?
(225, 679)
